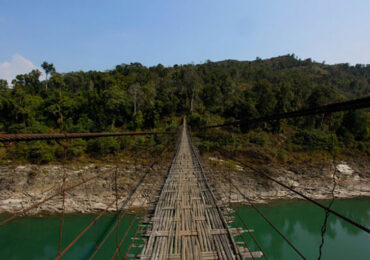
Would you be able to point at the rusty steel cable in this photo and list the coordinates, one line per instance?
(354, 223)
(251, 235)
(63, 201)
(323, 228)
(59, 256)
(243, 238)
(195, 154)
(111, 230)
(22, 212)
(240, 234)
(124, 237)
(95, 237)
(63, 191)
(57, 136)
(131, 243)
(327, 213)
(200, 164)
(99, 216)
(245, 225)
(267, 220)
(116, 191)
(124, 205)
(335, 107)
(137, 230)
(97, 247)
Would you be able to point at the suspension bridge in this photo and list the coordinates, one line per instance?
(188, 220)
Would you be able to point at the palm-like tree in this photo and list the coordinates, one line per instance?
(49, 69)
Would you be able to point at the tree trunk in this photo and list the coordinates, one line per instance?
(135, 101)
(46, 81)
(192, 101)
(61, 118)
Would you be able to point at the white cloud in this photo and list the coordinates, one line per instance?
(17, 65)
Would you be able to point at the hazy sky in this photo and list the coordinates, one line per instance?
(90, 34)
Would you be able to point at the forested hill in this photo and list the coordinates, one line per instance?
(134, 96)
(137, 97)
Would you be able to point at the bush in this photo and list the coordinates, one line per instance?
(40, 152)
(364, 147)
(259, 138)
(194, 121)
(77, 148)
(357, 124)
(205, 146)
(158, 149)
(315, 140)
(102, 146)
(283, 155)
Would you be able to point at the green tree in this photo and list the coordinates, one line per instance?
(49, 69)
(266, 100)
(3, 85)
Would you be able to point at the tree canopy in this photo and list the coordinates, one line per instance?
(133, 96)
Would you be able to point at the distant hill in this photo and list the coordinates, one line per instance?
(352, 81)
(133, 96)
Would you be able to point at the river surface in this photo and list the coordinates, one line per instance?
(300, 221)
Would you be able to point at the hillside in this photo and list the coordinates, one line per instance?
(137, 97)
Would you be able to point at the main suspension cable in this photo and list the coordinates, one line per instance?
(56, 136)
(335, 107)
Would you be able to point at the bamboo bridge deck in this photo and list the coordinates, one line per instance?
(188, 222)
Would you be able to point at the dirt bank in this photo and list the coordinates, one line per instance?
(315, 180)
(24, 185)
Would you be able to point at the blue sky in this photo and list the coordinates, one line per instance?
(89, 34)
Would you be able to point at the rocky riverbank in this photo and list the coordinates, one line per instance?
(315, 180)
(24, 185)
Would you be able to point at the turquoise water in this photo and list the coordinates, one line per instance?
(37, 238)
(301, 223)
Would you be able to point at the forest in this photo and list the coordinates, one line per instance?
(135, 97)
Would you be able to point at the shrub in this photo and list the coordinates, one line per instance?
(205, 146)
(315, 140)
(77, 147)
(102, 146)
(40, 152)
(194, 121)
(364, 147)
(283, 155)
(259, 138)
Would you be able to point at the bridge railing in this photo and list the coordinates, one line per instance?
(264, 172)
(121, 197)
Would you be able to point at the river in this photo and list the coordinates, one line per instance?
(300, 221)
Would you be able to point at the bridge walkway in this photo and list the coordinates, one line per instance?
(188, 222)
